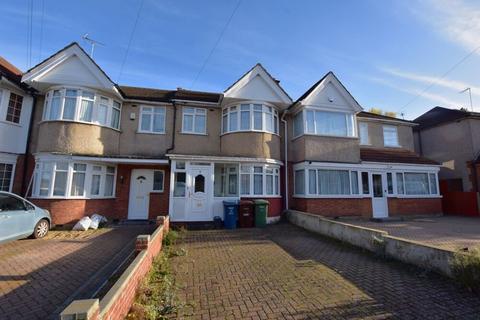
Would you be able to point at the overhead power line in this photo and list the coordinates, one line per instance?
(440, 78)
(216, 44)
(130, 39)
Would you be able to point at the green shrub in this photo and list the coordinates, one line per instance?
(466, 269)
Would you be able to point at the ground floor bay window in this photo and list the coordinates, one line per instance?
(73, 179)
(376, 183)
(199, 188)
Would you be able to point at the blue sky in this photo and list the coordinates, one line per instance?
(385, 52)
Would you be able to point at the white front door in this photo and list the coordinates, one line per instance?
(141, 184)
(379, 198)
(198, 196)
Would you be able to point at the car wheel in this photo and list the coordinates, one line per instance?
(41, 229)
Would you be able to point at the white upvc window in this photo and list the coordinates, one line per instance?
(73, 179)
(327, 181)
(250, 117)
(324, 123)
(259, 180)
(152, 119)
(158, 180)
(194, 120)
(6, 176)
(363, 131)
(390, 136)
(81, 105)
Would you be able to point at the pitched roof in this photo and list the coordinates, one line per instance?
(268, 74)
(365, 114)
(161, 95)
(10, 71)
(439, 115)
(318, 83)
(393, 156)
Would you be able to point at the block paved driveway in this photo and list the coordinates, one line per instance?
(39, 278)
(448, 232)
(284, 272)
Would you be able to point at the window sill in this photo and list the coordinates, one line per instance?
(393, 147)
(157, 191)
(425, 196)
(249, 131)
(324, 136)
(70, 198)
(81, 122)
(11, 123)
(194, 133)
(331, 196)
(150, 132)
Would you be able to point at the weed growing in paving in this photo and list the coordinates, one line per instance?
(156, 297)
(466, 269)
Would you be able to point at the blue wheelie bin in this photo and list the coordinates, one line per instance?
(230, 213)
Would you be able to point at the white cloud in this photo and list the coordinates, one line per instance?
(428, 79)
(435, 98)
(458, 20)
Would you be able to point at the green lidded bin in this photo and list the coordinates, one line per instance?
(261, 210)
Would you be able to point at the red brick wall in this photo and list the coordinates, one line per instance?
(275, 207)
(331, 207)
(414, 206)
(67, 211)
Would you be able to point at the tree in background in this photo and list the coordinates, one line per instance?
(379, 111)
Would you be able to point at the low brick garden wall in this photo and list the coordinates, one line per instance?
(119, 299)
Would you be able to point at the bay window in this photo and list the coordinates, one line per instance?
(250, 117)
(259, 180)
(81, 105)
(152, 119)
(63, 179)
(325, 123)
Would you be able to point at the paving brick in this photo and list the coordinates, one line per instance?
(284, 272)
(37, 277)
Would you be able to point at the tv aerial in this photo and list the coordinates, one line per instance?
(92, 42)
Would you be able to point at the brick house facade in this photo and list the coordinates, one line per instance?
(136, 153)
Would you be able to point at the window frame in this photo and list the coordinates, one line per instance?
(364, 138)
(389, 127)
(151, 113)
(12, 176)
(350, 123)
(194, 115)
(97, 100)
(22, 98)
(248, 169)
(266, 110)
(49, 166)
(366, 172)
(163, 181)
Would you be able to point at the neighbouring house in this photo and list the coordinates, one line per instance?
(16, 103)
(136, 153)
(347, 162)
(451, 137)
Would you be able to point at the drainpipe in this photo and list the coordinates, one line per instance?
(172, 146)
(285, 129)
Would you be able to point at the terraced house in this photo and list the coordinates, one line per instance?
(135, 153)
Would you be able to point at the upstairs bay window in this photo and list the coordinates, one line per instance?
(81, 105)
(324, 123)
(250, 117)
(63, 179)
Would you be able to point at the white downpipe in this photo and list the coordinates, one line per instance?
(286, 156)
